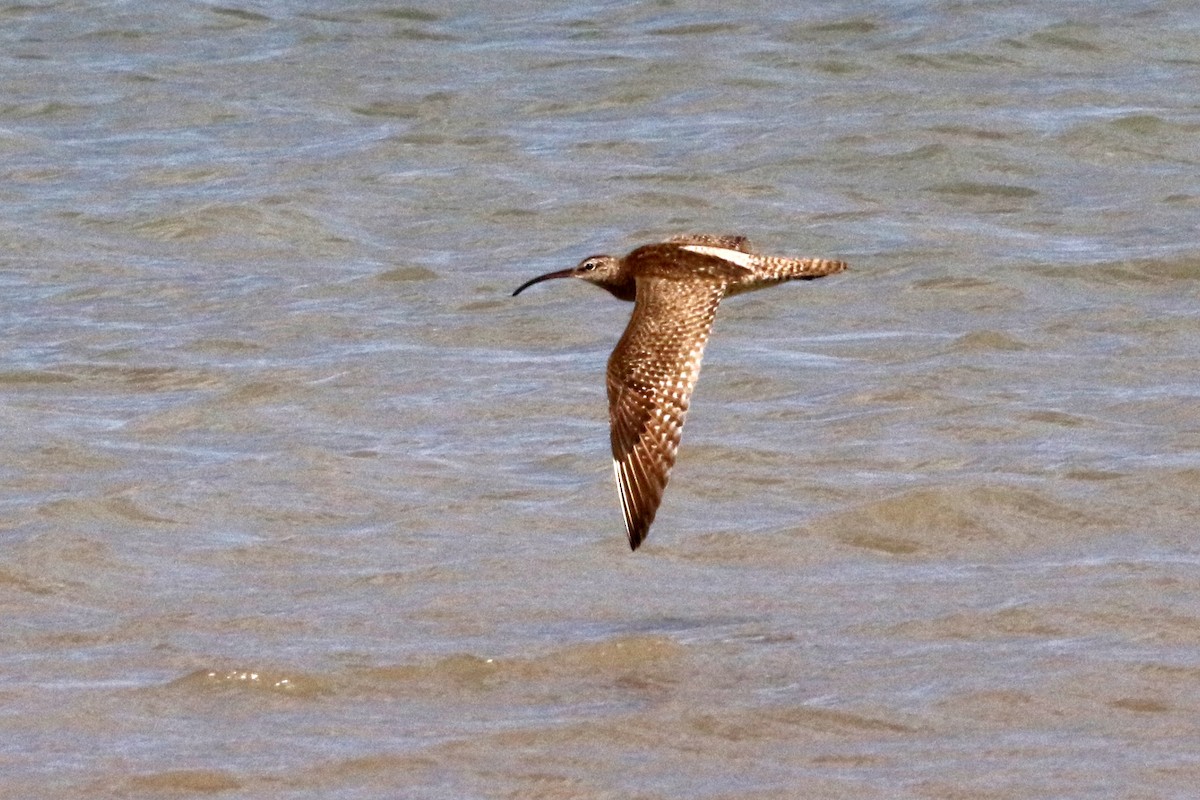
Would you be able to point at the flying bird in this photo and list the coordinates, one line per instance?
(675, 287)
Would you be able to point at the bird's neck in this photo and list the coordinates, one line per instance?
(622, 290)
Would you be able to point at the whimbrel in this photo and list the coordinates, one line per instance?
(675, 286)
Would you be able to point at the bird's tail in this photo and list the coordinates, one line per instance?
(770, 270)
(780, 268)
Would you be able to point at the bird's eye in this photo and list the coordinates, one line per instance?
(589, 265)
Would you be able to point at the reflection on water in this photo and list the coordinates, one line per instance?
(298, 502)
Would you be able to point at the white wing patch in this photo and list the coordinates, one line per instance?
(618, 469)
(744, 260)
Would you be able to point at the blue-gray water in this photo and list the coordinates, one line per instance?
(299, 503)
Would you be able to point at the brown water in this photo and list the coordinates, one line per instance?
(299, 503)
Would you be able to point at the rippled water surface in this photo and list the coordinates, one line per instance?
(299, 503)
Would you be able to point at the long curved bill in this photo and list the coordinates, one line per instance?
(562, 273)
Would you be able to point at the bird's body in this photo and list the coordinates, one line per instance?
(676, 286)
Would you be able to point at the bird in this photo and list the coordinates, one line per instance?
(675, 286)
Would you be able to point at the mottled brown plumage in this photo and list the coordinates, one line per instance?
(676, 286)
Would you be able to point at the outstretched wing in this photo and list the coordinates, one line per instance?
(651, 374)
(726, 241)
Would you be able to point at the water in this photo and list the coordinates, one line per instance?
(298, 502)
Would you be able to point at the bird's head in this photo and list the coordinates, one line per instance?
(601, 270)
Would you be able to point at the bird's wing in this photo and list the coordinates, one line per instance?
(651, 374)
(727, 241)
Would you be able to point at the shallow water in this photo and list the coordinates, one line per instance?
(300, 503)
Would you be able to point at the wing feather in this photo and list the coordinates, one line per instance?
(727, 241)
(651, 374)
